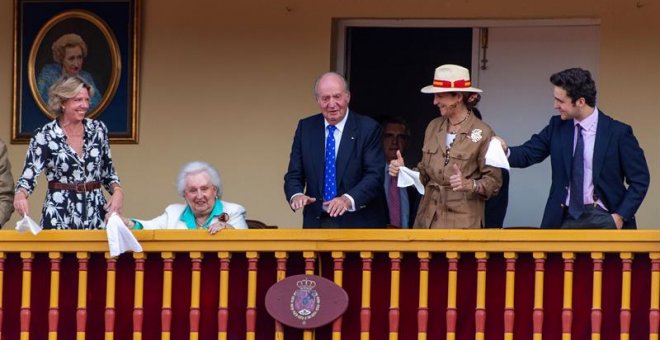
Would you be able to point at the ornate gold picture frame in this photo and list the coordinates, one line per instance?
(97, 41)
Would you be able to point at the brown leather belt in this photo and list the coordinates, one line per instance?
(78, 187)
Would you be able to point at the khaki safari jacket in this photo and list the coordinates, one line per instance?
(441, 207)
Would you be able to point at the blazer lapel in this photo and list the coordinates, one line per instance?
(317, 146)
(349, 138)
(600, 145)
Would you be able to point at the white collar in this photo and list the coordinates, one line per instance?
(340, 125)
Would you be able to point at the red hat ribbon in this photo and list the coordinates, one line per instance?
(458, 84)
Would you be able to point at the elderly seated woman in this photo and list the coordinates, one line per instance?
(200, 185)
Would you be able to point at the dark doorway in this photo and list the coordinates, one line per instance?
(387, 66)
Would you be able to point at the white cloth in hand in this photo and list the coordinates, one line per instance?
(120, 238)
(409, 177)
(28, 224)
(495, 155)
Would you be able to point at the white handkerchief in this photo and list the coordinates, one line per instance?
(28, 224)
(495, 155)
(120, 238)
(409, 177)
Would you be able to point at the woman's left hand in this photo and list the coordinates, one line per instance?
(217, 226)
(116, 202)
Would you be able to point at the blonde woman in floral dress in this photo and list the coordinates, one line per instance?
(75, 154)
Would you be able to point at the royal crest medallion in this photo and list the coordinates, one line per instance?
(305, 301)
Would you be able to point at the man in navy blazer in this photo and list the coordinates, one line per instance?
(359, 199)
(615, 176)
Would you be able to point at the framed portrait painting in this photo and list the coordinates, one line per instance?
(97, 41)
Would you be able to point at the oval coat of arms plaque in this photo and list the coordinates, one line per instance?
(306, 301)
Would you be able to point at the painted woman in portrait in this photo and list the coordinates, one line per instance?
(69, 52)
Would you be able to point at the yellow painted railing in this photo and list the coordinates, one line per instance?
(402, 284)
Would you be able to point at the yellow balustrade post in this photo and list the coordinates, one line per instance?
(625, 315)
(166, 312)
(53, 311)
(81, 312)
(452, 279)
(423, 303)
(395, 279)
(509, 311)
(195, 283)
(25, 295)
(365, 313)
(596, 298)
(537, 317)
(338, 259)
(138, 300)
(567, 312)
(310, 258)
(654, 312)
(110, 297)
(281, 257)
(251, 309)
(223, 303)
(480, 312)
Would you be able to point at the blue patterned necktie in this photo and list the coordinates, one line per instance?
(329, 178)
(576, 202)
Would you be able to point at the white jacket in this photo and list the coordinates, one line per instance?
(171, 218)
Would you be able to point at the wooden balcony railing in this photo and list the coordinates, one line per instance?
(402, 284)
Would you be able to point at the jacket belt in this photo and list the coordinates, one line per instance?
(78, 187)
(440, 187)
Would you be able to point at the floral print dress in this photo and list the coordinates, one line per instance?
(49, 151)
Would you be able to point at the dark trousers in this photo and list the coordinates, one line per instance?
(594, 217)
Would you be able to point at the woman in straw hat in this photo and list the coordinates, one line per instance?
(453, 167)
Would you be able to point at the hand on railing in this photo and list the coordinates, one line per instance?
(127, 221)
(217, 226)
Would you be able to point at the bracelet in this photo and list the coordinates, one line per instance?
(115, 188)
(474, 185)
(22, 190)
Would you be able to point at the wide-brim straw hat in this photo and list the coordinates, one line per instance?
(451, 78)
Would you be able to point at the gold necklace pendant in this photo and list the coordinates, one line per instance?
(462, 120)
(200, 225)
